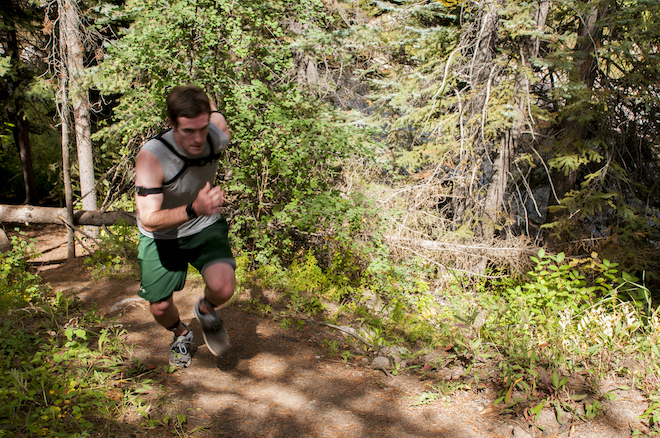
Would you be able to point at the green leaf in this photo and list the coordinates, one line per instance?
(538, 408)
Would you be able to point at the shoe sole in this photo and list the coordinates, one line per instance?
(214, 351)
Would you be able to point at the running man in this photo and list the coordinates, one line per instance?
(179, 220)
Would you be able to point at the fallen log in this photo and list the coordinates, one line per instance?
(21, 214)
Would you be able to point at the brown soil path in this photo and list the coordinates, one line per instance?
(277, 382)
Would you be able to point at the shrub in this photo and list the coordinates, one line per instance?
(19, 285)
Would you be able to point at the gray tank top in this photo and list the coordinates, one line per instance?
(182, 187)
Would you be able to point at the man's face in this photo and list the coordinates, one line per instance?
(190, 134)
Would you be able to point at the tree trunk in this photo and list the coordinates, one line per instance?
(21, 214)
(66, 174)
(480, 40)
(497, 188)
(513, 136)
(590, 33)
(80, 103)
(22, 139)
(21, 126)
(65, 117)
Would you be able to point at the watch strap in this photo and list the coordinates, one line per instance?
(191, 211)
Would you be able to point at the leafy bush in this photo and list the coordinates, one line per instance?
(567, 314)
(59, 376)
(18, 284)
(117, 251)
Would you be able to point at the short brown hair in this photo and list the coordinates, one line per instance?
(187, 101)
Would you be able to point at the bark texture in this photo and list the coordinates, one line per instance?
(17, 214)
(80, 103)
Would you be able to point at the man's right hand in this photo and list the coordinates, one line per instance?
(209, 200)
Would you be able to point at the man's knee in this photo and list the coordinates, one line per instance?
(220, 281)
(224, 290)
(163, 307)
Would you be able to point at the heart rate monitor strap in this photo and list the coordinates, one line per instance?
(143, 191)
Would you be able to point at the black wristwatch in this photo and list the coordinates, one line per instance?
(191, 211)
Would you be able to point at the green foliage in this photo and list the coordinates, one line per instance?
(62, 371)
(652, 413)
(304, 280)
(283, 170)
(556, 287)
(388, 303)
(117, 251)
(19, 285)
(287, 148)
(565, 316)
(59, 379)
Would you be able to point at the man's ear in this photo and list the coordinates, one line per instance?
(171, 123)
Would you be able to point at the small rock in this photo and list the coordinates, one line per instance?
(453, 373)
(445, 374)
(457, 373)
(121, 305)
(393, 353)
(380, 363)
(480, 320)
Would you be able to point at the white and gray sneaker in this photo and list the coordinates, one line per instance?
(181, 349)
(215, 334)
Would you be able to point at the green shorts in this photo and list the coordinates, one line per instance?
(164, 263)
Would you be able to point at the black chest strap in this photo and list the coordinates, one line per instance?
(188, 162)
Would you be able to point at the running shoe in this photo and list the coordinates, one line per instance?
(180, 350)
(215, 334)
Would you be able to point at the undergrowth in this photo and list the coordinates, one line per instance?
(385, 306)
(546, 340)
(116, 253)
(566, 317)
(19, 285)
(64, 372)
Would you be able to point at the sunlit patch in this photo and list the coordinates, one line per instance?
(268, 366)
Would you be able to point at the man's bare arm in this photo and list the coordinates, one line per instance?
(149, 174)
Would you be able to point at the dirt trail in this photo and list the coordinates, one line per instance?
(277, 382)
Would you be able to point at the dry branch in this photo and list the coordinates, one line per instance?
(453, 247)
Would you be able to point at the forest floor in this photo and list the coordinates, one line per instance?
(285, 382)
